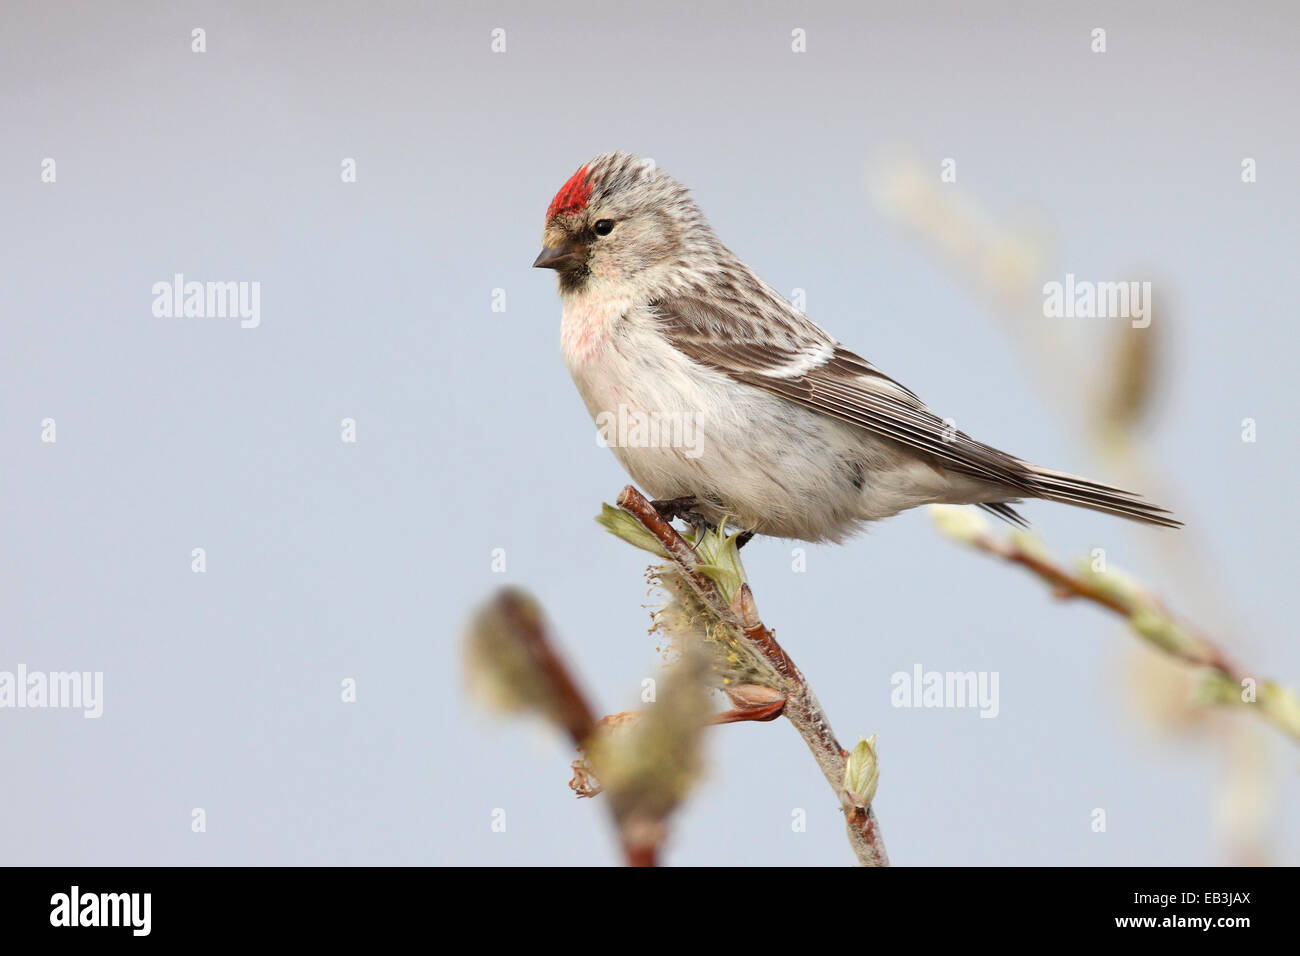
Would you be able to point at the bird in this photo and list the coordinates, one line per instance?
(743, 410)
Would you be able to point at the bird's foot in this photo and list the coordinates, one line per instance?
(686, 508)
(670, 508)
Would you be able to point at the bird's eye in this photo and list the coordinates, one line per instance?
(603, 227)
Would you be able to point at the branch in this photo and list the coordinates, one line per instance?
(1145, 613)
(571, 709)
(510, 651)
(740, 618)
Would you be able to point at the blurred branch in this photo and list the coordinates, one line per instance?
(738, 618)
(513, 660)
(1004, 262)
(1146, 614)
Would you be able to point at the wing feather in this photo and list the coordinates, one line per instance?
(757, 338)
(777, 356)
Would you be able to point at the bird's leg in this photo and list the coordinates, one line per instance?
(670, 508)
(699, 523)
(687, 509)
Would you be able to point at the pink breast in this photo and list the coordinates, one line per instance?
(586, 328)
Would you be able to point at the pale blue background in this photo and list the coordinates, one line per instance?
(328, 560)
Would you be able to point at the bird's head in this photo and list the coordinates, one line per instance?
(619, 222)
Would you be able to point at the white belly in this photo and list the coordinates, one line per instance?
(683, 429)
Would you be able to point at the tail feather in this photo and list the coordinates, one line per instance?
(1072, 490)
(1003, 510)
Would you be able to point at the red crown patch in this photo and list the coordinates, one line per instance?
(572, 196)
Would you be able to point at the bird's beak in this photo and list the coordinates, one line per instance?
(557, 257)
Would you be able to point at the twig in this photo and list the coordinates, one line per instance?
(570, 706)
(1145, 613)
(801, 706)
(640, 837)
(1007, 266)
